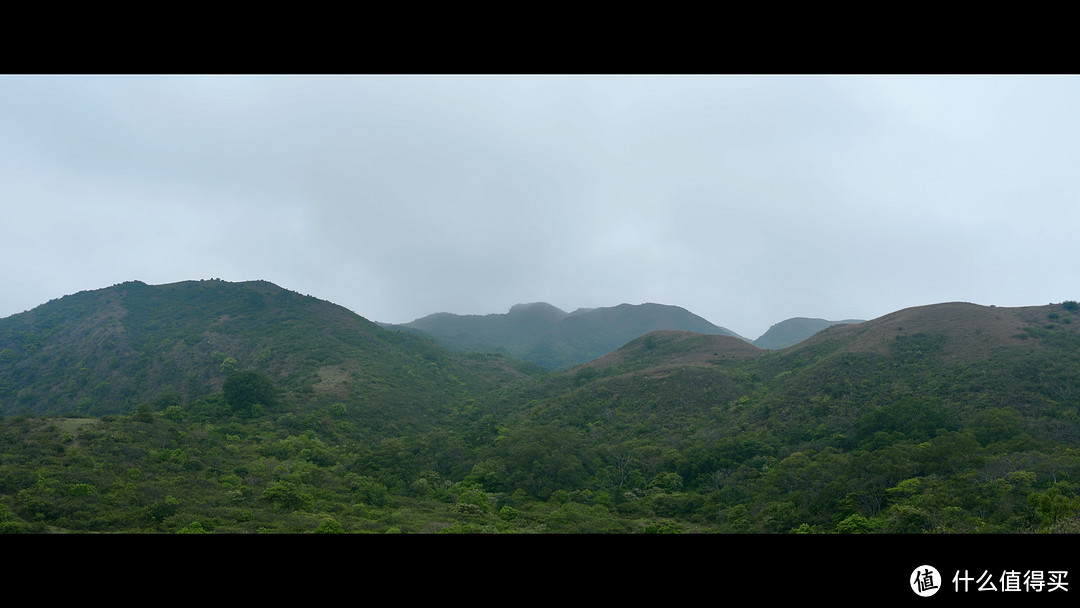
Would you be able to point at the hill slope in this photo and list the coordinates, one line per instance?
(949, 417)
(668, 348)
(106, 350)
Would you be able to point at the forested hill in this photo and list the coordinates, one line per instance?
(948, 418)
(103, 351)
(545, 335)
(243, 407)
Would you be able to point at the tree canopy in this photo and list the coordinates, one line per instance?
(243, 390)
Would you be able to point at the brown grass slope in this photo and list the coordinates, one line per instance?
(670, 348)
(972, 331)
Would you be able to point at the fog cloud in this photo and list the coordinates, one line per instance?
(746, 199)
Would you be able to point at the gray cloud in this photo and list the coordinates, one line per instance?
(746, 199)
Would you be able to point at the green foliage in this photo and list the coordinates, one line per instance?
(912, 418)
(996, 425)
(175, 413)
(163, 509)
(243, 390)
(917, 348)
(474, 496)
(287, 496)
(667, 482)
(143, 413)
(855, 524)
(330, 526)
(1057, 508)
(369, 491)
(229, 366)
(663, 527)
(192, 528)
(81, 489)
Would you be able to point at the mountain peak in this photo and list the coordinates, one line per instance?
(536, 308)
(795, 330)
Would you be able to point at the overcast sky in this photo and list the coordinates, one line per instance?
(744, 199)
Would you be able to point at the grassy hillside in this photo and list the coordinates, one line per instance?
(104, 351)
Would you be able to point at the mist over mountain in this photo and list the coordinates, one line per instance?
(550, 337)
(545, 335)
(513, 332)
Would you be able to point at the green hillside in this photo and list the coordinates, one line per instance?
(945, 418)
(948, 418)
(104, 351)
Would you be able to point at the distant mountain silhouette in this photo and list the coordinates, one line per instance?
(543, 334)
(793, 331)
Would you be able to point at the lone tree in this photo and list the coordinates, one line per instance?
(242, 390)
(144, 413)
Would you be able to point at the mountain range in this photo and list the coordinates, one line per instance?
(208, 406)
(554, 339)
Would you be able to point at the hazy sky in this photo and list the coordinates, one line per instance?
(745, 199)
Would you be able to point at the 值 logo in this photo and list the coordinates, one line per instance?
(925, 581)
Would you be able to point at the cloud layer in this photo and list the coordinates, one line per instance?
(746, 199)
